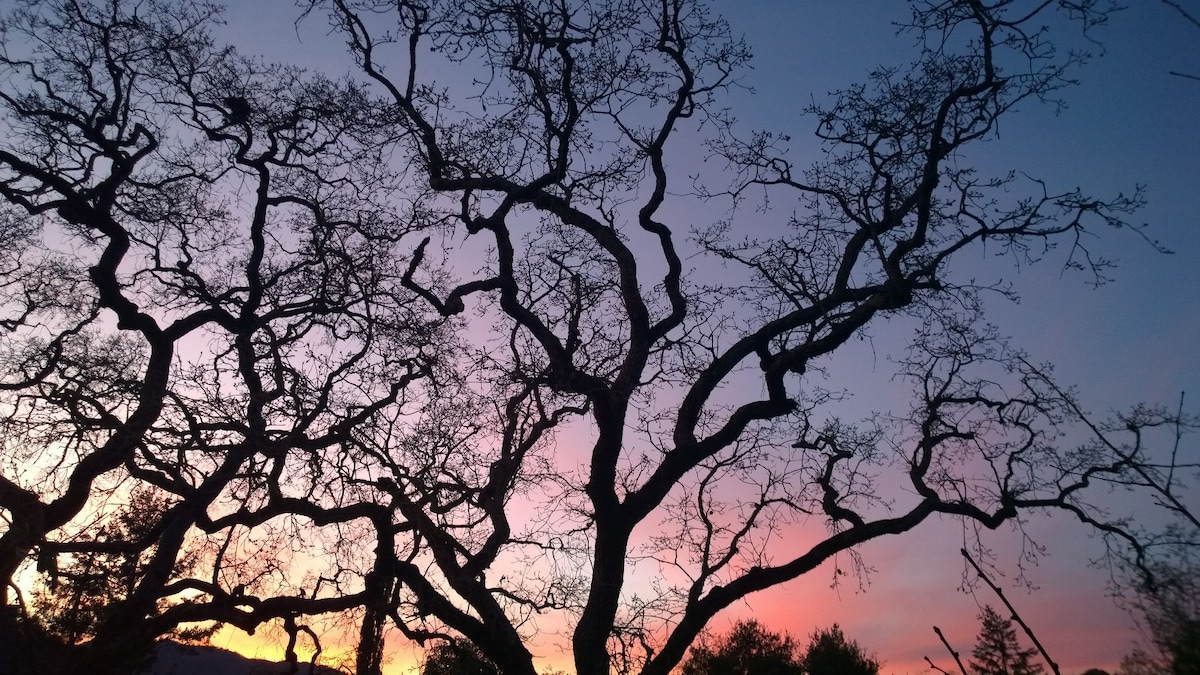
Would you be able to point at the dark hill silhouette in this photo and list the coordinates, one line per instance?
(172, 658)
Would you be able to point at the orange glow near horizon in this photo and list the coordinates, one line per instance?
(401, 657)
(892, 618)
(269, 644)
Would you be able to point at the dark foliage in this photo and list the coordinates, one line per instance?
(830, 653)
(1166, 596)
(76, 595)
(748, 649)
(457, 658)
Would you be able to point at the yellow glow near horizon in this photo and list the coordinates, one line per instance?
(269, 644)
(401, 657)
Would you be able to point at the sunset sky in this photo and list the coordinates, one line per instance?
(1129, 122)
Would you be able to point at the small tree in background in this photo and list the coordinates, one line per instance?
(457, 658)
(78, 595)
(997, 651)
(830, 653)
(749, 649)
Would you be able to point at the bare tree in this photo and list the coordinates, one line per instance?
(201, 296)
(442, 345)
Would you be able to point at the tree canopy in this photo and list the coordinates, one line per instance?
(439, 355)
(456, 658)
(752, 649)
(748, 648)
(830, 653)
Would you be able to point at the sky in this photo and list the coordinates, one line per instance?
(1128, 122)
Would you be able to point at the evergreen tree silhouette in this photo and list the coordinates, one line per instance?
(997, 651)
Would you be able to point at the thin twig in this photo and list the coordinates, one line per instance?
(934, 666)
(1015, 615)
(1178, 438)
(1179, 8)
(950, 649)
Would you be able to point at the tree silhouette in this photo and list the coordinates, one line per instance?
(748, 649)
(830, 653)
(1166, 595)
(752, 649)
(456, 658)
(997, 650)
(78, 594)
(356, 331)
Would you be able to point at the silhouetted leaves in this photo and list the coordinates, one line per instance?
(748, 649)
(830, 653)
